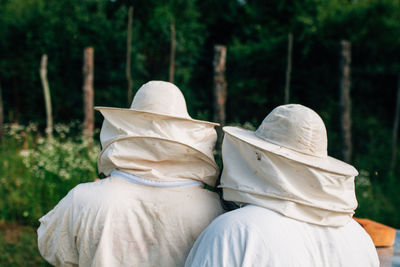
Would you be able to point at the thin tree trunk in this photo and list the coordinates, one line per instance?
(288, 67)
(395, 127)
(88, 92)
(1, 115)
(220, 86)
(345, 101)
(47, 97)
(172, 52)
(128, 55)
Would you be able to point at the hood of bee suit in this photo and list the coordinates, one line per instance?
(157, 139)
(283, 166)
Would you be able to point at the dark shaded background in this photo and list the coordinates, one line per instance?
(255, 33)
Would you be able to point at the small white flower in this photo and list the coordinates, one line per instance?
(25, 152)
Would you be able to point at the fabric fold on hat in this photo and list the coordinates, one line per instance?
(252, 175)
(284, 166)
(156, 138)
(199, 136)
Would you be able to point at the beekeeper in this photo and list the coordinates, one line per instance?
(153, 205)
(297, 202)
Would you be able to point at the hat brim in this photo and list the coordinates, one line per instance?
(138, 112)
(328, 163)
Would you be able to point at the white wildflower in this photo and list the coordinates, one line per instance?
(25, 152)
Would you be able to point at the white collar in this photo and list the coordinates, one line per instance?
(142, 181)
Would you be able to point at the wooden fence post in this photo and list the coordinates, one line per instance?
(288, 68)
(172, 52)
(345, 100)
(128, 56)
(220, 86)
(47, 97)
(88, 92)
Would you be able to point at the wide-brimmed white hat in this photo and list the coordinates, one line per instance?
(157, 139)
(297, 133)
(158, 98)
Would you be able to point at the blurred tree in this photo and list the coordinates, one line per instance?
(258, 56)
(373, 28)
(62, 29)
(255, 33)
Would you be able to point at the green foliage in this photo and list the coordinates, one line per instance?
(63, 28)
(378, 200)
(18, 246)
(36, 173)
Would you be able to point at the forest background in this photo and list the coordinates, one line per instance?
(36, 172)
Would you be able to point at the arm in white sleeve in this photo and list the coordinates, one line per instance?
(56, 240)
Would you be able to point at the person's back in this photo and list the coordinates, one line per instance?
(131, 224)
(301, 201)
(153, 205)
(257, 236)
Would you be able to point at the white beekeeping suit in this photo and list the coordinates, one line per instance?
(297, 202)
(153, 205)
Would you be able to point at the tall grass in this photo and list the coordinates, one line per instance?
(35, 172)
(18, 246)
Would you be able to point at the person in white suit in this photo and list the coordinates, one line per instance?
(153, 205)
(296, 202)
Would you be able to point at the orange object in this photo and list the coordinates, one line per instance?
(382, 235)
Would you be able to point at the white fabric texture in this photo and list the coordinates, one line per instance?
(305, 193)
(256, 236)
(157, 139)
(118, 222)
(143, 181)
(154, 100)
(295, 132)
(158, 148)
(113, 222)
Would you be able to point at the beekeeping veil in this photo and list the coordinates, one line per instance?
(284, 166)
(157, 139)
